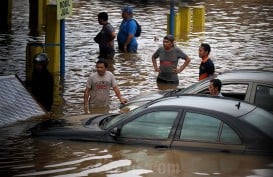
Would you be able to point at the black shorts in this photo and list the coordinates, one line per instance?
(167, 82)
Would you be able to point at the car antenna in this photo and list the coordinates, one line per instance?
(238, 105)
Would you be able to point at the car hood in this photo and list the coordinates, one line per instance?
(63, 128)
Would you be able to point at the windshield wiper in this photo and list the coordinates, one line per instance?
(103, 122)
(173, 92)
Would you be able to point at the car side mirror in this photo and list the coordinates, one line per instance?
(115, 132)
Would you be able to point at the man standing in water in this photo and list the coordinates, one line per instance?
(169, 56)
(105, 38)
(206, 68)
(42, 82)
(126, 36)
(98, 86)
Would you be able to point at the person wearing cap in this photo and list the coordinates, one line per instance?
(98, 85)
(42, 82)
(168, 56)
(105, 38)
(206, 68)
(126, 36)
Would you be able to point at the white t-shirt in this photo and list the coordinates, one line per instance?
(100, 88)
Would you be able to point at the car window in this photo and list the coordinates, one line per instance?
(150, 125)
(234, 90)
(200, 127)
(228, 136)
(264, 97)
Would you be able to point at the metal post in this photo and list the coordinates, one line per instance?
(62, 50)
(172, 17)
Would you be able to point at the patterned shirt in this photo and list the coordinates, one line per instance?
(100, 88)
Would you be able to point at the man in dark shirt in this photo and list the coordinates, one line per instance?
(105, 38)
(206, 68)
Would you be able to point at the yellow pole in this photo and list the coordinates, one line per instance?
(52, 39)
(185, 19)
(177, 25)
(42, 13)
(198, 18)
(37, 16)
(40, 16)
(168, 23)
(52, 48)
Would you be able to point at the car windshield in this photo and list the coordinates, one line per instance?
(121, 117)
(260, 119)
(197, 85)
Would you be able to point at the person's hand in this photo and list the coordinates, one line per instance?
(125, 48)
(178, 70)
(86, 110)
(157, 70)
(123, 101)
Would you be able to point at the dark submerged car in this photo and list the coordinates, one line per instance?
(192, 122)
(252, 86)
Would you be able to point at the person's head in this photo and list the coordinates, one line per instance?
(215, 86)
(168, 42)
(204, 50)
(127, 12)
(40, 62)
(101, 66)
(102, 18)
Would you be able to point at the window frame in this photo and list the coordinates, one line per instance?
(209, 146)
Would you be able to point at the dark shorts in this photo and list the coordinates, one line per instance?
(167, 82)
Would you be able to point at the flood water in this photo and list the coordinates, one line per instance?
(240, 34)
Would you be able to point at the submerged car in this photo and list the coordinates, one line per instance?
(252, 86)
(191, 122)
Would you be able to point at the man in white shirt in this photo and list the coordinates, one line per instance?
(98, 87)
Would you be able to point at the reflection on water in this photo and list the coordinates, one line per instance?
(240, 34)
(65, 158)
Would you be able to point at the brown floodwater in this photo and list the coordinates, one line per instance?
(240, 34)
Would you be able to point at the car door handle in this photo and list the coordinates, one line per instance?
(225, 151)
(161, 147)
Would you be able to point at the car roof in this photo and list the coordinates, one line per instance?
(224, 105)
(247, 75)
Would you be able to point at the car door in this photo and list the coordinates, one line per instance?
(155, 128)
(204, 131)
(262, 96)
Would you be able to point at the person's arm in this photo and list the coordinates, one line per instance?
(156, 68)
(128, 40)
(86, 100)
(117, 92)
(112, 36)
(185, 64)
(210, 68)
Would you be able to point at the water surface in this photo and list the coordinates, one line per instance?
(240, 34)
